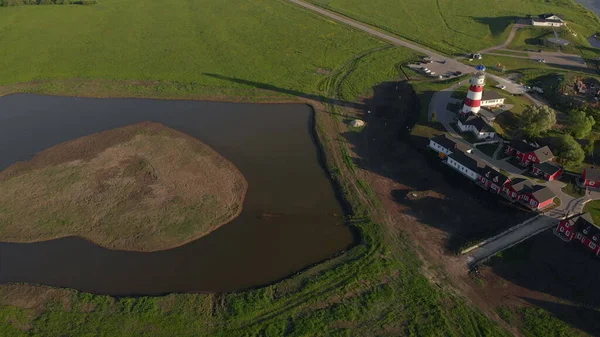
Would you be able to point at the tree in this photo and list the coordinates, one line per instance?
(537, 119)
(569, 150)
(580, 124)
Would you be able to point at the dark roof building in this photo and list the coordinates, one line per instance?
(542, 193)
(444, 141)
(521, 185)
(479, 123)
(468, 160)
(523, 146)
(548, 168)
(490, 94)
(491, 174)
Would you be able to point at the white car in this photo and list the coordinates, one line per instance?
(541, 61)
(501, 86)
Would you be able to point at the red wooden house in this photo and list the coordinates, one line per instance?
(528, 153)
(537, 197)
(492, 179)
(591, 177)
(514, 188)
(581, 229)
(548, 170)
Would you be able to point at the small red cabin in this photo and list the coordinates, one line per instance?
(581, 230)
(548, 170)
(528, 154)
(591, 177)
(492, 179)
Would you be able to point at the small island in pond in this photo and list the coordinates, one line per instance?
(142, 187)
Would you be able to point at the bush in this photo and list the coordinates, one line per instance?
(569, 151)
(537, 119)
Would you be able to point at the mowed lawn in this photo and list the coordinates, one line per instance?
(453, 26)
(269, 42)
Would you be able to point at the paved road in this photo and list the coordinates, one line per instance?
(511, 238)
(452, 63)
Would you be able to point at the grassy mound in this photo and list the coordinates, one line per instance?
(142, 187)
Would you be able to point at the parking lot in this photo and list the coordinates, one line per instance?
(437, 67)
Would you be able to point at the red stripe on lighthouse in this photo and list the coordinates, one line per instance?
(476, 88)
(471, 103)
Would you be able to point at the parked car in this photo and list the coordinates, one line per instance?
(541, 61)
(501, 86)
(458, 73)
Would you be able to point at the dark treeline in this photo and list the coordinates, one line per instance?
(6, 3)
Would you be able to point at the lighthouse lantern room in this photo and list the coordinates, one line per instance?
(473, 100)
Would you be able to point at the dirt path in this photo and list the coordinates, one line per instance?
(509, 39)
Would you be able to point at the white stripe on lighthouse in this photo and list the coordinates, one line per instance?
(476, 96)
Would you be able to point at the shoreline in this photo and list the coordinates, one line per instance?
(590, 6)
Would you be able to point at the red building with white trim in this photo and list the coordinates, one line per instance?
(548, 170)
(591, 177)
(582, 230)
(528, 154)
(492, 179)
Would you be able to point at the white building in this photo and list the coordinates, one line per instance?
(465, 163)
(491, 98)
(445, 145)
(547, 20)
(476, 125)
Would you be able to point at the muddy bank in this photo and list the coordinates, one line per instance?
(143, 187)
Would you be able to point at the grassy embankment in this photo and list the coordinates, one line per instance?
(458, 27)
(131, 48)
(143, 187)
(594, 208)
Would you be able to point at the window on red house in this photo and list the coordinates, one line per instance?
(592, 183)
(578, 236)
(562, 229)
(592, 245)
(567, 233)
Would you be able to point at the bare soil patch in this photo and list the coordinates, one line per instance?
(143, 187)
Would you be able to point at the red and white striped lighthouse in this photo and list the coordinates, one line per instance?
(473, 100)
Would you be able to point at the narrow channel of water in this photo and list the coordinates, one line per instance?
(271, 144)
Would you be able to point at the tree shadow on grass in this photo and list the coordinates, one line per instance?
(546, 264)
(497, 25)
(583, 318)
(264, 86)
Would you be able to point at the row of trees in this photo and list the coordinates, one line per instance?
(6, 3)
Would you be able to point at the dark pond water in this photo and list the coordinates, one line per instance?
(273, 146)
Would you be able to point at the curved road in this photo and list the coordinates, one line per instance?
(389, 38)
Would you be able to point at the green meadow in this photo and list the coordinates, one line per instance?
(167, 48)
(458, 27)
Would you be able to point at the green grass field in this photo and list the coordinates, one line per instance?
(457, 26)
(166, 48)
(594, 208)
